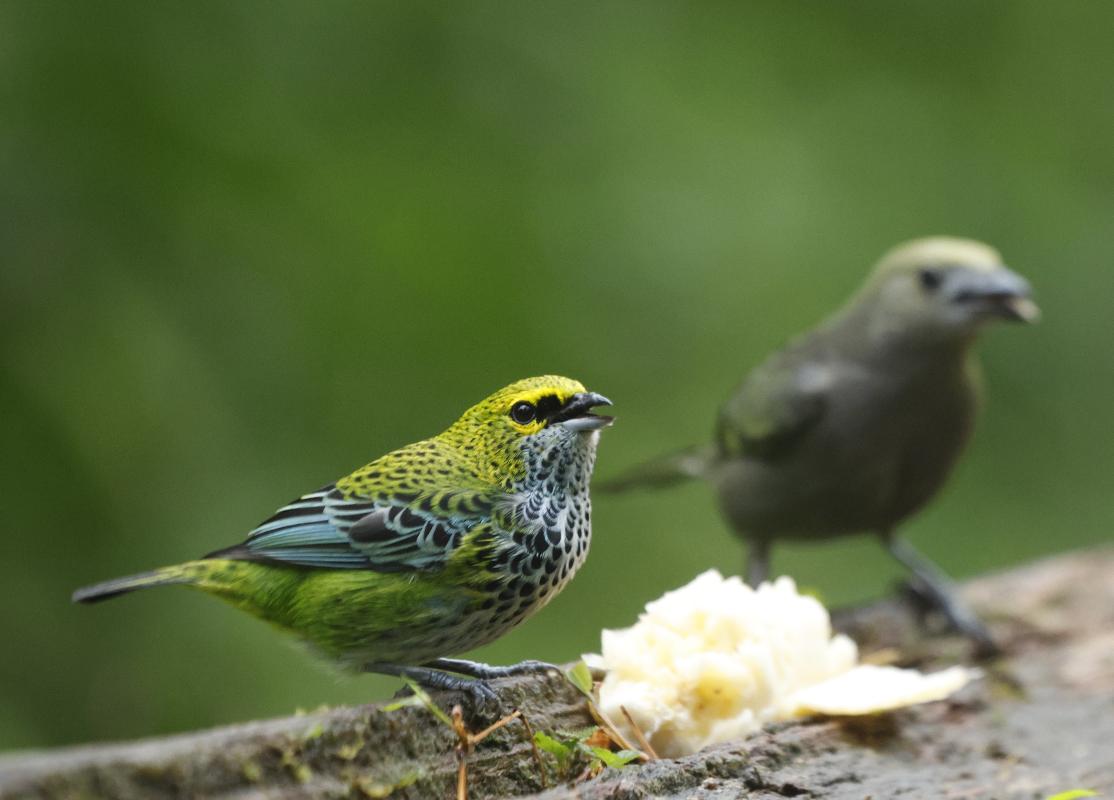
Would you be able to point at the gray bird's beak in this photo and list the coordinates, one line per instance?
(576, 414)
(1001, 293)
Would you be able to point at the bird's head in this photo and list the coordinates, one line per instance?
(531, 428)
(942, 288)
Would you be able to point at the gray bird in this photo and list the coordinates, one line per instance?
(855, 425)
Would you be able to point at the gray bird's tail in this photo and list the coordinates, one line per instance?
(667, 470)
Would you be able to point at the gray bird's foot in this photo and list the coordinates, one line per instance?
(477, 669)
(935, 590)
(959, 617)
(481, 696)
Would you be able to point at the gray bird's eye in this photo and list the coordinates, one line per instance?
(931, 279)
(523, 413)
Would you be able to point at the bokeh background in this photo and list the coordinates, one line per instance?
(248, 246)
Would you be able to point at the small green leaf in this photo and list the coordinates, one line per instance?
(1073, 794)
(552, 746)
(580, 734)
(629, 755)
(581, 677)
(615, 760)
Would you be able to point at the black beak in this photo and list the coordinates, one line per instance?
(576, 414)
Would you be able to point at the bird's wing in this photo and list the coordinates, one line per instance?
(332, 529)
(777, 405)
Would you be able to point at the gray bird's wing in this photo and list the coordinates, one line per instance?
(776, 406)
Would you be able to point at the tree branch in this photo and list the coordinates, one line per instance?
(1041, 722)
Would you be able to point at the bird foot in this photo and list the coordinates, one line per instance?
(480, 697)
(477, 669)
(927, 600)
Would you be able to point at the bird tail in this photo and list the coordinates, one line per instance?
(667, 470)
(188, 573)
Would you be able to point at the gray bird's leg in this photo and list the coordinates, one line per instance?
(477, 669)
(478, 690)
(758, 561)
(938, 589)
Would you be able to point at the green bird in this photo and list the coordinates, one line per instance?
(433, 549)
(855, 425)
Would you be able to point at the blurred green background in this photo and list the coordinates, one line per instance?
(247, 247)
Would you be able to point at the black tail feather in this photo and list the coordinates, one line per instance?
(119, 586)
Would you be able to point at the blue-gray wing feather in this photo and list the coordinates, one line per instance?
(324, 529)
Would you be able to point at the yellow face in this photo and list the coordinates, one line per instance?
(524, 407)
(530, 410)
(532, 405)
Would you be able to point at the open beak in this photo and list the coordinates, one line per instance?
(1001, 293)
(1019, 309)
(576, 414)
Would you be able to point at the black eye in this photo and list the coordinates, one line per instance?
(523, 413)
(931, 279)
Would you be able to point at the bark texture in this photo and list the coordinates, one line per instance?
(1041, 722)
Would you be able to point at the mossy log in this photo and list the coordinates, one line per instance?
(1041, 722)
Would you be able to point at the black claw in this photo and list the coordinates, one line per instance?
(485, 691)
(402, 693)
(985, 646)
(918, 598)
(478, 692)
(482, 696)
(926, 602)
(934, 590)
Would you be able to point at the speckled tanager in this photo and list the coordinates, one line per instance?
(428, 551)
(855, 425)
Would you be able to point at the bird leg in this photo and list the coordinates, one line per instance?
(932, 584)
(758, 561)
(481, 671)
(478, 690)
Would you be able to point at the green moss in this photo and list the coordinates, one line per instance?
(251, 771)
